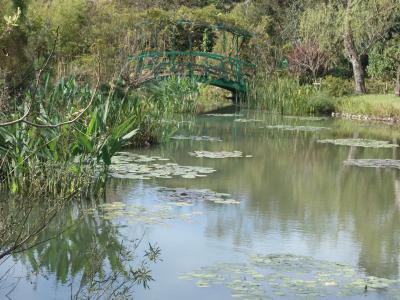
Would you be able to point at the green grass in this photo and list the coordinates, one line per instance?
(376, 105)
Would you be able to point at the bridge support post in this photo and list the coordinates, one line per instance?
(238, 97)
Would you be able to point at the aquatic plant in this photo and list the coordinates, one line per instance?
(360, 143)
(178, 94)
(295, 128)
(281, 95)
(290, 276)
(223, 115)
(109, 120)
(247, 120)
(373, 163)
(299, 118)
(190, 196)
(135, 213)
(132, 166)
(197, 138)
(220, 154)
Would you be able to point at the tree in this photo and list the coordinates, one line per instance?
(392, 54)
(384, 61)
(365, 22)
(11, 49)
(317, 45)
(308, 58)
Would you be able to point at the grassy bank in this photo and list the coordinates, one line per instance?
(372, 106)
(288, 96)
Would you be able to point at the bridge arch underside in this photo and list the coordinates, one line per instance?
(227, 73)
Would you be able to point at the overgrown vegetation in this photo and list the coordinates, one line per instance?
(380, 106)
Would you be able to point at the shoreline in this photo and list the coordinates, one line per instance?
(368, 118)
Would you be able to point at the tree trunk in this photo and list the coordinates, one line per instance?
(359, 76)
(397, 91)
(355, 58)
(358, 70)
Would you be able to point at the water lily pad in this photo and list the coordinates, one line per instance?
(197, 138)
(202, 284)
(223, 115)
(306, 118)
(239, 278)
(225, 201)
(359, 143)
(181, 204)
(186, 197)
(373, 163)
(247, 120)
(293, 277)
(133, 166)
(159, 214)
(221, 154)
(296, 128)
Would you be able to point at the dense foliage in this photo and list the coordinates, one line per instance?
(316, 37)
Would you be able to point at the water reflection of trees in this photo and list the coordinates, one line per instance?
(89, 256)
(296, 184)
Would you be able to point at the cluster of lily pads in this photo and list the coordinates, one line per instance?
(176, 122)
(224, 115)
(183, 196)
(247, 120)
(373, 163)
(306, 118)
(289, 276)
(133, 166)
(159, 214)
(220, 154)
(197, 138)
(244, 280)
(129, 157)
(359, 143)
(296, 128)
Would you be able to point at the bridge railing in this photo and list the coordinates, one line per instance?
(200, 64)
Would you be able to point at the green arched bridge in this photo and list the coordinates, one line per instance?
(184, 48)
(228, 73)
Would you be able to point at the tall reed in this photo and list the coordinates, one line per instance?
(282, 95)
(58, 159)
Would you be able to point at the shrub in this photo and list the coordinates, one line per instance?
(337, 87)
(376, 86)
(321, 104)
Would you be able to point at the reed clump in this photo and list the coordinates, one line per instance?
(47, 152)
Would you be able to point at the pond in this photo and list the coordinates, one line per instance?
(244, 205)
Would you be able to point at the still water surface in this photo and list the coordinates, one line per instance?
(296, 197)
